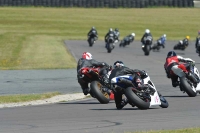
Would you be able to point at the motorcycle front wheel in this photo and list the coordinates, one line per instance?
(137, 101)
(187, 87)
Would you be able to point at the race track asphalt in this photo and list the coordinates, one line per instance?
(88, 116)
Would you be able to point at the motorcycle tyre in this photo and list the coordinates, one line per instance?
(133, 98)
(91, 42)
(147, 50)
(186, 87)
(164, 103)
(96, 91)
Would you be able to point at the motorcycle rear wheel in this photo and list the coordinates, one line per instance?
(187, 87)
(133, 98)
(96, 89)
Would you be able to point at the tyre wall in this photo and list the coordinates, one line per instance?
(99, 3)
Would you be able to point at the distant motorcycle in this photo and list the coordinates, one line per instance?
(110, 44)
(146, 47)
(98, 88)
(92, 38)
(180, 46)
(143, 99)
(157, 45)
(198, 46)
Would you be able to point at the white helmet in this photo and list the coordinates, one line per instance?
(87, 55)
(147, 31)
(110, 29)
(164, 35)
(181, 42)
(133, 34)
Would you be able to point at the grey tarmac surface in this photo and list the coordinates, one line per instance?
(88, 116)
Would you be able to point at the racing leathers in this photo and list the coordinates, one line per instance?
(197, 44)
(174, 68)
(144, 36)
(162, 41)
(137, 79)
(108, 35)
(90, 63)
(117, 34)
(92, 33)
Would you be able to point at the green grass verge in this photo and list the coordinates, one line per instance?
(187, 130)
(32, 38)
(26, 97)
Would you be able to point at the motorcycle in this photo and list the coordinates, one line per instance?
(124, 42)
(110, 44)
(189, 80)
(180, 46)
(92, 38)
(143, 99)
(198, 46)
(98, 88)
(146, 47)
(157, 45)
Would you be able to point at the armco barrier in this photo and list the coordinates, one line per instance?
(99, 3)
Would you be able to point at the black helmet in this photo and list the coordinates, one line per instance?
(118, 64)
(171, 53)
(116, 29)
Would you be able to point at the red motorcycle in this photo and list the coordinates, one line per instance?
(98, 88)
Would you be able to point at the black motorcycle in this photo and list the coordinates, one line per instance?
(147, 45)
(198, 46)
(180, 46)
(92, 38)
(110, 44)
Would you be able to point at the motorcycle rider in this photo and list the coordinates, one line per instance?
(163, 38)
(147, 33)
(87, 61)
(185, 41)
(130, 38)
(117, 34)
(110, 32)
(118, 70)
(92, 32)
(197, 41)
(173, 64)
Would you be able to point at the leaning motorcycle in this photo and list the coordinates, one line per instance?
(157, 45)
(144, 98)
(146, 47)
(124, 42)
(189, 79)
(92, 38)
(98, 88)
(110, 44)
(180, 46)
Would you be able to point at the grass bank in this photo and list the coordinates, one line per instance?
(26, 97)
(32, 38)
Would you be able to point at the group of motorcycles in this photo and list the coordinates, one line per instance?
(143, 99)
(103, 91)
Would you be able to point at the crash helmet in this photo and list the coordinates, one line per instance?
(199, 32)
(87, 55)
(164, 35)
(133, 34)
(171, 53)
(118, 64)
(147, 31)
(116, 29)
(93, 28)
(110, 30)
(188, 37)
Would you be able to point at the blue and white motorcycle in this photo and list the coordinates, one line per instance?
(143, 99)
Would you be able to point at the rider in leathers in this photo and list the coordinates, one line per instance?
(197, 43)
(147, 33)
(110, 32)
(92, 32)
(87, 61)
(173, 64)
(118, 70)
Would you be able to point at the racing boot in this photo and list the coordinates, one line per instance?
(123, 103)
(175, 83)
(86, 91)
